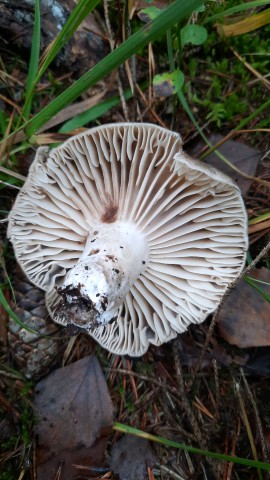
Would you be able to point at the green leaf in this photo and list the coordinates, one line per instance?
(168, 84)
(194, 34)
(149, 13)
(174, 13)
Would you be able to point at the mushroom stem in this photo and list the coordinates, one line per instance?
(114, 256)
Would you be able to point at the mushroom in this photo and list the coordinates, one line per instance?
(131, 239)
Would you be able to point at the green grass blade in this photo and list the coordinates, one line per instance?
(149, 32)
(170, 443)
(256, 112)
(259, 219)
(262, 292)
(185, 105)
(237, 9)
(10, 312)
(256, 280)
(93, 113)
(33, 64)
(78, 14)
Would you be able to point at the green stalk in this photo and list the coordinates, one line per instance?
(174, 13)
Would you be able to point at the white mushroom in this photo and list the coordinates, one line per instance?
(131, 239)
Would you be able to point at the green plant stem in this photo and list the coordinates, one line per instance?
(174, 13)
(119, 427)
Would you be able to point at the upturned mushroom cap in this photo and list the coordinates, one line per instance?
(121, 212)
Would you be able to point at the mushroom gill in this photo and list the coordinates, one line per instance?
(131, 239)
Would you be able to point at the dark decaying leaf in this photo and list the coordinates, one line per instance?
(168, 83)
(130, 458)
(74, 417)
(240, 155)
(244, 319)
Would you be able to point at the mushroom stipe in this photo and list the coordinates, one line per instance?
(131, 239)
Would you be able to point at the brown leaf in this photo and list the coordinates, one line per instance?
(240, 155)
(130, 458)
(74, 417)
(244, 318)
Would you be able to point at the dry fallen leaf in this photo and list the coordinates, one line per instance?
(240, 155)
(74, 417)
(130, 458)
(244, 319)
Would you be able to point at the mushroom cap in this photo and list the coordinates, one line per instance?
(192, 216)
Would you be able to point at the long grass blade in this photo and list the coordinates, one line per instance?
(174, 13)
(170, 443)
(237, 9)
(33, 64)
(259, 219)
(13, 315)
(262, 292)
(78, 14)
